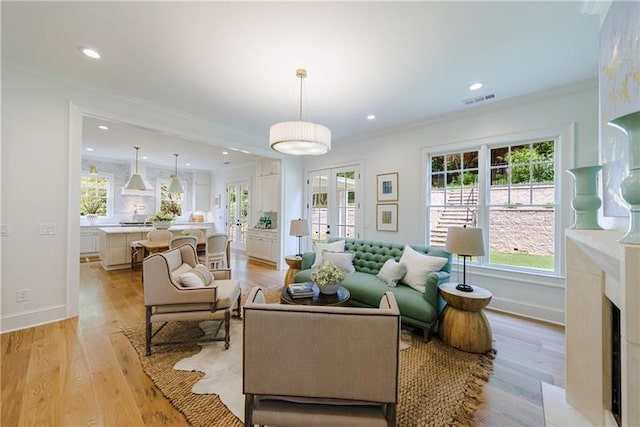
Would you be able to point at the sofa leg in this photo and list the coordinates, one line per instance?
(426, 334)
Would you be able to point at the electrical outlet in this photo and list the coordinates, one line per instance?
(22, 295)
(4, 229)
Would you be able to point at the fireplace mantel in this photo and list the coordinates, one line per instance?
(601, 272)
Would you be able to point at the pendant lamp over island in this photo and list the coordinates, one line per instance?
(135, 182)
(300, 138)
(176, 185)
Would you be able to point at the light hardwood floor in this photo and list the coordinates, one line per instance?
(83, 371)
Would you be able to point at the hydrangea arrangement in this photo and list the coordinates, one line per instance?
(328, 274)
(161, 216)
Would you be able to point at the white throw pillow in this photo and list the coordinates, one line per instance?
(179, 271)
(198, 277)
(331, 247)
(343, 260)
(391, 272)
(191, 280)
(418, 267)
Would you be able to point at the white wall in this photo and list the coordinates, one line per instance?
(403, 151)
(41, 168)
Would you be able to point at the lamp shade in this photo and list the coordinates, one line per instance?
(299, 228)
(175, 186)
(300, 138)
(466, 241)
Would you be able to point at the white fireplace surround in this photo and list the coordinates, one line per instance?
(599, 270)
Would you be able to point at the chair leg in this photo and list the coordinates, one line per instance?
(390, 414)
(148, 330)
(239, 307)
(248, 410)
(227, 325)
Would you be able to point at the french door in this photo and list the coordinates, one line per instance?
(238, 197)
(333, 203)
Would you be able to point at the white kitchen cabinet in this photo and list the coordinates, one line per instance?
(89, 238)
(262, 245)
(115, 249)
(268, 193)
(268, 167)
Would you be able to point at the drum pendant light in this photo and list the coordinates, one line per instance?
(299, 137)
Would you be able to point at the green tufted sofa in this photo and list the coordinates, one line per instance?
(416, 309)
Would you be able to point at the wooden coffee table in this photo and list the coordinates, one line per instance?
(339, 299)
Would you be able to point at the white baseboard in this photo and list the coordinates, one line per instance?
(528, 310)
(31, 318)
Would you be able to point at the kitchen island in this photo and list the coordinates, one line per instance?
(115, 242)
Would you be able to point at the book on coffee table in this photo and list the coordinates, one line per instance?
(300, 290)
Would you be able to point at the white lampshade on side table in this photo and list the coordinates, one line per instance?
(465, 242)
(299, 228)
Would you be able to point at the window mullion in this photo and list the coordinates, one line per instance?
(483, 199)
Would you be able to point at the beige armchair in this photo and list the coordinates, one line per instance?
(177, 288)
(320, 366)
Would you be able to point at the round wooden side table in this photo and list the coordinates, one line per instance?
(295, 264)
(463, 325)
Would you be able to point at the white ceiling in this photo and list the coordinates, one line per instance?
(234, 63)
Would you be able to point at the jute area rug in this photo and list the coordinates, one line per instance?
(439, 385)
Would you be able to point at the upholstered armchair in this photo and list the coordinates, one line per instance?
(177, 288)
(339, 366)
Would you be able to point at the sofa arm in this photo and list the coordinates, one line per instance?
(307, 260)
(221, 273)
(431, 288)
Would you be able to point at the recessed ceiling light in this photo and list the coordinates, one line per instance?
(89, 149)
(245, 151)
(187, 164)
(91, 53)
(371, 117)
(225, 153)
(227, 163)
(475, 86)
(103, 127)
(145, 158)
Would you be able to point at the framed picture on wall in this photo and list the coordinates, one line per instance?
(388, 187)
(387, 217)
(217, 201)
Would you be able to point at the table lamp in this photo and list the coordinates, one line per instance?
(465, 242)
(299, 228)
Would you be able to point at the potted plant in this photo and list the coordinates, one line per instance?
(91, 208)
(161, 220)
(328, 277)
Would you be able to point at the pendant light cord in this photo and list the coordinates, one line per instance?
(300, 96)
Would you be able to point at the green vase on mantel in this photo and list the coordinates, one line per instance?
(586, 202)
(630, 187)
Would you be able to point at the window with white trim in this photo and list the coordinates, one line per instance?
(168, 202)
(509, 190)
(95, 194)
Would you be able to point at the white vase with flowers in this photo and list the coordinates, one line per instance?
(328, 277)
